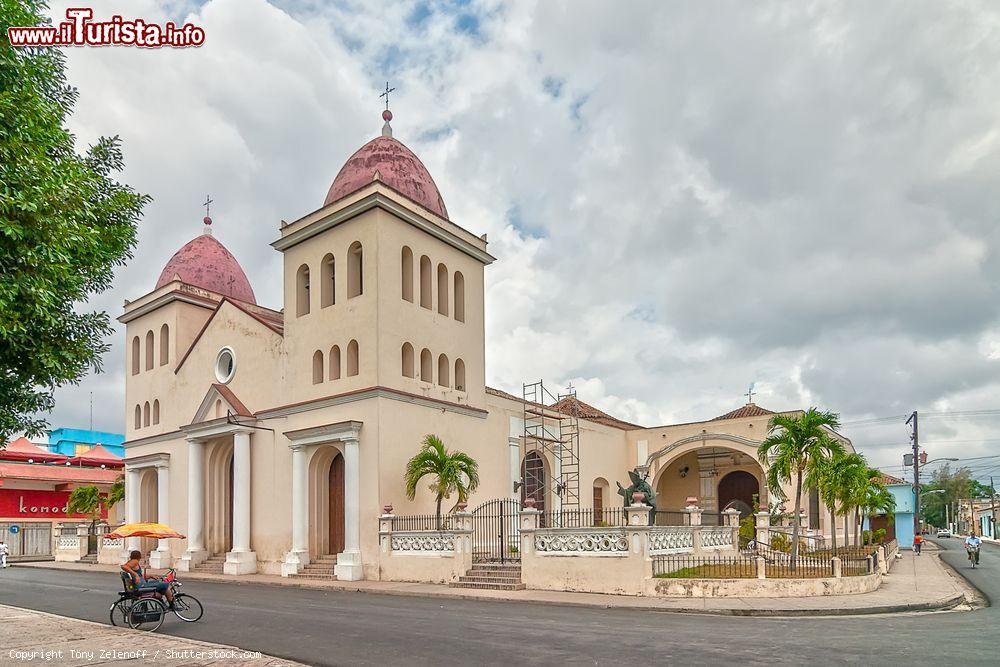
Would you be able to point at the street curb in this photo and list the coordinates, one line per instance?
(943, 604)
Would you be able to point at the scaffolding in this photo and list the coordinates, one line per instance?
(555, 436)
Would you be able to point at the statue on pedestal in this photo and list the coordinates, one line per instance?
(639, 485)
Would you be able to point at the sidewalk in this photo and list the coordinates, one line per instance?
(913, 584)
(37, 637)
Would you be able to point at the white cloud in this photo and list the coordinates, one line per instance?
(685, 198)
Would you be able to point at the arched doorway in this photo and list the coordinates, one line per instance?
(336, 503)
(533, 479)
(148, 505)
(737, 489)
(219, 498)
(327, 508)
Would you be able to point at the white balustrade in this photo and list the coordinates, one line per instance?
(584, 540)
(671, 540)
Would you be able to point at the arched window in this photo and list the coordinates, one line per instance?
(302, 291)
(149, 350)
(164, 345)
(442, 289)
(355, 270)
(407, 360)
(335, 362)
(218, 408)
(138, 415)
(328, 288)
(135, 356)
(145, 414)
(601, 499)
(426, 365)
(352, 358)
(459, 296)
(406, 270)
(317, 367)
(443, 370)
(460, 375)
(425, 282)
(156, 411)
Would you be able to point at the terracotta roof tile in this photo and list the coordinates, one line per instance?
(570, 405)
(748, 410)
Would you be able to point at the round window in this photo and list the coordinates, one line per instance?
(225, 365)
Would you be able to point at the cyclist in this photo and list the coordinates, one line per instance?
(143, 583)
(972, 543)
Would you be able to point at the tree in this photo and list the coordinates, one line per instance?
(830, 476)
(65, 224)
(876, 498)
(89, 500)
(796, 443)
(453, 472)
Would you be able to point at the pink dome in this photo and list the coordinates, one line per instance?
(204, 262)
(398, 168)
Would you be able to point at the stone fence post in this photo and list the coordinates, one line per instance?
(463, 540)
(385, 530)
(763, 529)
(528, 519)
(761, 568)
(733, 520)
(638, 514)
(838, 571)
(693, 512)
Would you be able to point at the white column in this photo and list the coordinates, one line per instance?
(195, 552)
(241, 560)
(299, 555)
(131, 504)
(160, 558)
(348, 566)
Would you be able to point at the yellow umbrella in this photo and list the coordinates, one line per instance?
(157, 530)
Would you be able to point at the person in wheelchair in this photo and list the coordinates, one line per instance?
(145, 584)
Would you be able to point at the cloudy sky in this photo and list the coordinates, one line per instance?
(685, 198)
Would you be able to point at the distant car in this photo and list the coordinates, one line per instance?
(944, 532)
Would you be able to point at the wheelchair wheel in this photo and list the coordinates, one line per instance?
(187, 608)
(146, 614)
(119, 612)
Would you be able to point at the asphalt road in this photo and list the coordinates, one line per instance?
(342, 628)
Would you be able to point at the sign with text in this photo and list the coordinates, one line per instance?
(37, 504)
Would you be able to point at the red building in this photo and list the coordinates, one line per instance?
(35, 485)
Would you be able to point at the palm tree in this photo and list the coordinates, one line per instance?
(828, 476)
(453, 472)
(877, 498)
(86, 500)
(793, 445)
(853, 479)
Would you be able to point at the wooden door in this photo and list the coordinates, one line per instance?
(337, 505)
(598, 506)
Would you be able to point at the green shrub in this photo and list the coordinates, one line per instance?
(880, 536)
(866, 537)
(781, 542)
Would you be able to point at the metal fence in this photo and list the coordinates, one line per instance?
(698, 567)
(891, 546)
(855, 566)
(583, 518)
(423, 522)
(782, 566)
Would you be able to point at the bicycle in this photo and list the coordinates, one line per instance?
(144, 610)
(973, 556)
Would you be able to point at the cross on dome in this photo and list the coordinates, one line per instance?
(387, 115)
(207, 219)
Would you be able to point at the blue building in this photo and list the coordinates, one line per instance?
(902, 527)
(76, 441)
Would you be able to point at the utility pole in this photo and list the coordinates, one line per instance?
(993, 509)
(914, 437)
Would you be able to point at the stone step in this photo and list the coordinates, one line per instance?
(310, 575)
(505, 570)
(466, 579)
(482, 586)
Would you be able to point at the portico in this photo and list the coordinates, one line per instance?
(321, 456)
(147, 489)
(226, 481)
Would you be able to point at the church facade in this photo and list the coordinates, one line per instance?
(275, 438)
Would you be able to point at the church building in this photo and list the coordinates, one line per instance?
(274, 438)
